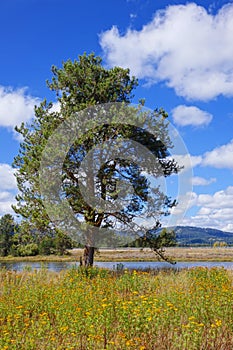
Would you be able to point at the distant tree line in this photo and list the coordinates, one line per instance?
(155, 238)
(18, 240)
(220, 244)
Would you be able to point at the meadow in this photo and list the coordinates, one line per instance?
(136, 254)
(101, 309)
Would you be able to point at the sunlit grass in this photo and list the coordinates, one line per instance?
(129, 254)
(100, 309)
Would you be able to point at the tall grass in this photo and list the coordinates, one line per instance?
(99, 309)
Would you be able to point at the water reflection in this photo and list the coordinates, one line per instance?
(58, 266)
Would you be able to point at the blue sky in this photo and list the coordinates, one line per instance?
(182, 53)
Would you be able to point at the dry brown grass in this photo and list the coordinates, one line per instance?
(134, 254)
(177, 254)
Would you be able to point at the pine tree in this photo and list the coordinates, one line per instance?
(79, 86)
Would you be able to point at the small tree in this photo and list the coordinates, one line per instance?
(220, 244)
(46, 245)
(79, 85)
(7, 230)
(62, 243)
(158, 242)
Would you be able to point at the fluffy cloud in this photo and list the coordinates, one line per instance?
(215, 211)
(15, 106)
(7, 178)
(185, 202)
(184, 45)
(8, 189)
(187, 161)
(190, 115)
(56, 107)
(200, 181)
(220, 157)
(6, 201)
(221, 199)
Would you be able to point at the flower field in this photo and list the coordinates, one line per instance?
(99, 309)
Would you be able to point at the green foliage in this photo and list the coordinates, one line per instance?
(78, 85)
(46, 245)
(18, 240)
(165, 238)
(30, 249)
(7, 230)
(62, 243)
(157, 240)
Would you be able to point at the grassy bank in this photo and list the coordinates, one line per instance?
(129, 254)
(108, 310)
(177, 254)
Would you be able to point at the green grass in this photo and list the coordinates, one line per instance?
(99, 309)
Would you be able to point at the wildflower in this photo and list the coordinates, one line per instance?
(218, 323)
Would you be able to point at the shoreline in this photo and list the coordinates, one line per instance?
(177, 254)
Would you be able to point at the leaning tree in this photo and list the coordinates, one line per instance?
(110, 150)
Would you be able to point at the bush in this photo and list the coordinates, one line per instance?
(30, 249)
(47, 246)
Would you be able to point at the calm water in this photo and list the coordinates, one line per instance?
(58, 266)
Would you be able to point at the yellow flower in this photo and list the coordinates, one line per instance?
(218, 323)
(191, 318)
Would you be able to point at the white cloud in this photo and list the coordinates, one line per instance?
(56, 107)
(6, 201)
(7, 178)
(8, 189)
(15, 106)
(187, 161)
(216, 211)
(184, 45)
(220, 157)
(190, 115)
(205, 221)
(221, 199)
(200, 181)
(185, 202)
(228, 227)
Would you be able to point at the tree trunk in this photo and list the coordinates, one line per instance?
(88, 256)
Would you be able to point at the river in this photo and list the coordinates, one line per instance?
(58, 266)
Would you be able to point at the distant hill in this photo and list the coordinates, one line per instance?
(189, 235)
